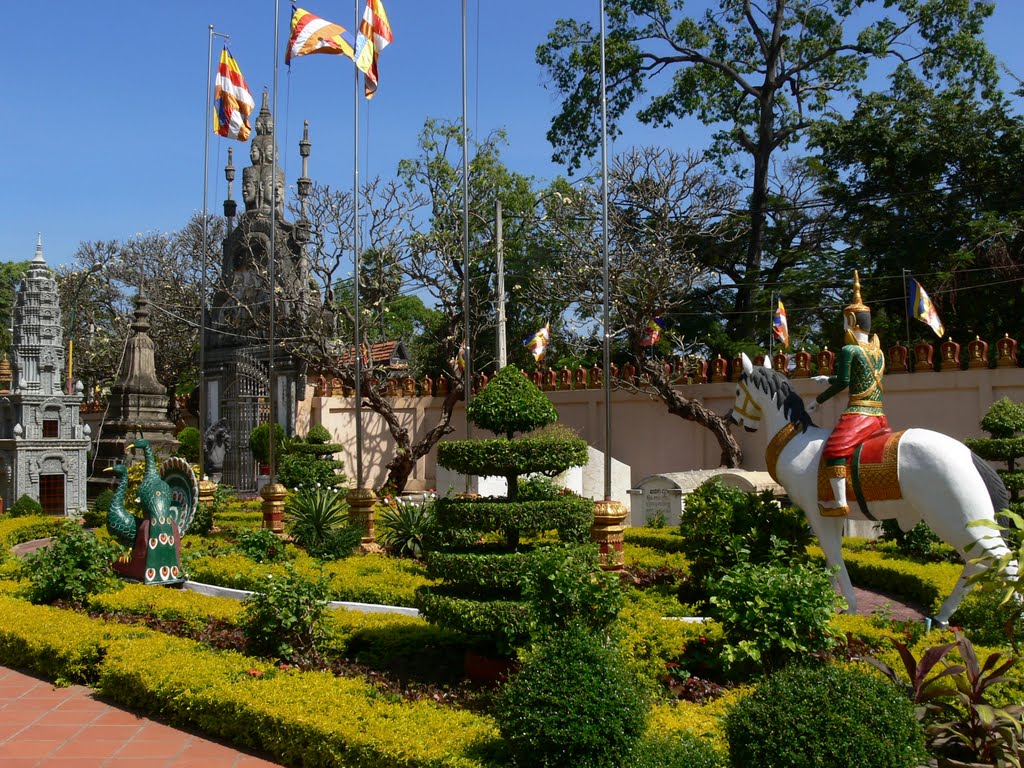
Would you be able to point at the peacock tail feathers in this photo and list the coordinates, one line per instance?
(181, 479)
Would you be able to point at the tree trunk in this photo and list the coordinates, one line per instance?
(693, 411)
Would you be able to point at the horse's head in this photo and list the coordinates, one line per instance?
(745, 411)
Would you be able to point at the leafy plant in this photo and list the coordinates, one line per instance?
(402, 527)
(996, 573)
(922, 686)
(75, 565)
(919, 541)
(510, 403)
(188, 445)
(566, 587)
(261, 545)
(317, 519)
(25, 506)
(286, 617)
(811, 716)
(302, 470)
(772, 613)
(97, 516)
(577, 672)
(259, 442)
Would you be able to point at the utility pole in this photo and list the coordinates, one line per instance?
(499, 246)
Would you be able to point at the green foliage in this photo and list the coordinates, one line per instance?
(663, 539)
(494, 626)
(404, 526)
(1004, 418)
(259, 442)
(318, 435)
(75, 565)
(722, 526)
(566, 587)
(285, 618)
(25, 506)
(103, 501)
(539, 488)
(312, 515)
(97, 516)
(811, 716)
(572, 515)
(988, 619)
(188, 445)
(681, 751)
(918, 542)
(520, 456)
(771, 614)
(300, 470)
(511, 403)
(575, 672)
(261, 545)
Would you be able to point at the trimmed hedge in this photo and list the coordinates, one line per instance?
(520, 456)
(571, 515)
(17, 530)
(194, 608)
(294, 716)
(996, 448)
(506, 623)
(663, 539)
(482, 573)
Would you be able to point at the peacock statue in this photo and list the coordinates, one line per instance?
(169, 498)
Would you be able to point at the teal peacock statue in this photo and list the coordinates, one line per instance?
(121, 523)
(169, 498)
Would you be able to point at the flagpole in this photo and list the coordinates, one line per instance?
(467, 375)
(206, 250)
(771, 324)
(607, 351)
(357, 266)
(272, 384)
(906, 313)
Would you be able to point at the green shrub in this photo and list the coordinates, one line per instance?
(301, 470)
(285, 618)
(404, 527)
(681, 751)
(318, 435)
(261, 545)
(259, 442)
(722, 525)
(773, 613)
(539, 488)
(510, 403)
(75, 565)
(103, 501)
(1004, 418)
(25, 506)
(663, 539)
(987, 620)
(94, 518)
(566, 587)
(338, 543)
(188, 445)
(575, 703)
(813, 716)
(312, 514)
(918, 542)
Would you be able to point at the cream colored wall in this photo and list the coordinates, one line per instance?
(652, 441)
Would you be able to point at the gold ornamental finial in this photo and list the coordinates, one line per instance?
(858, 304)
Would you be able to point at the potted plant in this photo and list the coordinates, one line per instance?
(259, 444)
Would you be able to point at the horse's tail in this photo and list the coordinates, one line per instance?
(995, 485)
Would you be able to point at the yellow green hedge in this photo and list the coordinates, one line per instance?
(15, 530)
(663, 539)
(650, 557)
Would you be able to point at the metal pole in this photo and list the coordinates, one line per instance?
(468, 372)
(272, 415)
(500, 251)
(906, 313)
(607, 281)
(357, 265)
(771, 324)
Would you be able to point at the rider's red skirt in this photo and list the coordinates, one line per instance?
(851, 430)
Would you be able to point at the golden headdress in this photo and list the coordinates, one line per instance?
(851, 311)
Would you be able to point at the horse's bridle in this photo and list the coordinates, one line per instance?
(749, 409)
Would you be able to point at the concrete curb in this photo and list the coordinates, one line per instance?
(242, 594)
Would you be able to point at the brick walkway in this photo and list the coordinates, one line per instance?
(46, 727)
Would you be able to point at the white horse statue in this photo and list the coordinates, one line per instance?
(931, 477)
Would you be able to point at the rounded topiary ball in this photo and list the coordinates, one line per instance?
(811, 716)
(575, 703)
(511, 403)
(318, 435)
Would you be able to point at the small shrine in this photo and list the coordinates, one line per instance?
(43, 443)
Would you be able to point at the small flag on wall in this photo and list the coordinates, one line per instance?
(374, 36)
(780, 326)
(921, 307)
(460, 357)
(311, 34)
(233, 103)
(538, 343)
(652, 332)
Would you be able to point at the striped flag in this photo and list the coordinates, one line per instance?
(374, 36)
(780, 326)
(921, 307)
(538, 343)
(652, 332)
(311, 34)
(232, 101)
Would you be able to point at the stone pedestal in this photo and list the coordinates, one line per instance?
(273, 507)
(360, 512)
(607, 532)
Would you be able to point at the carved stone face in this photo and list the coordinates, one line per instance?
(269, 182)
(250, 186)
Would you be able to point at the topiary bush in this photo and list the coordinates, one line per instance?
(310, 462)
(76, 564)
(97, 516)
(25, 506)
(575, 703)
(721, 526)
(772, 613)
(188, 445)
(682, 751)
(1004, 421)
(259, 442)
(813, 716)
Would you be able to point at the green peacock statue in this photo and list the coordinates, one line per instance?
(169, 498)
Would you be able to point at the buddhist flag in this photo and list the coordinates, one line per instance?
(652, 332)
(460, 357)
(374, 35)
(538, 343)
(311, 34)
(232, 101)
(921, 307)
(780, 326)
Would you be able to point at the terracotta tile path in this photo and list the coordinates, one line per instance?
(46, 727)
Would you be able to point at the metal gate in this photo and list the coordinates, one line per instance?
(245, 404)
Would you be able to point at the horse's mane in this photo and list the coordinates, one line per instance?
(781, 391)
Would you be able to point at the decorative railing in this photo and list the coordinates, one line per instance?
(942, 357)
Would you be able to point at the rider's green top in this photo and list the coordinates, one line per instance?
(859, 367)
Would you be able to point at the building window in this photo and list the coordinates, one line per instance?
(50, 428)
(51, 494)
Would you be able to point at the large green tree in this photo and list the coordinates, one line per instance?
(928, 180)
(759, 73)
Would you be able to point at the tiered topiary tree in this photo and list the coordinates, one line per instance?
(310, 462)
(481, 572)
(1004, 421)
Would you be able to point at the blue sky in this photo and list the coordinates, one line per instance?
(104, 104)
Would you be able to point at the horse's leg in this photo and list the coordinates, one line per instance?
(830, 537)
(959, 592)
